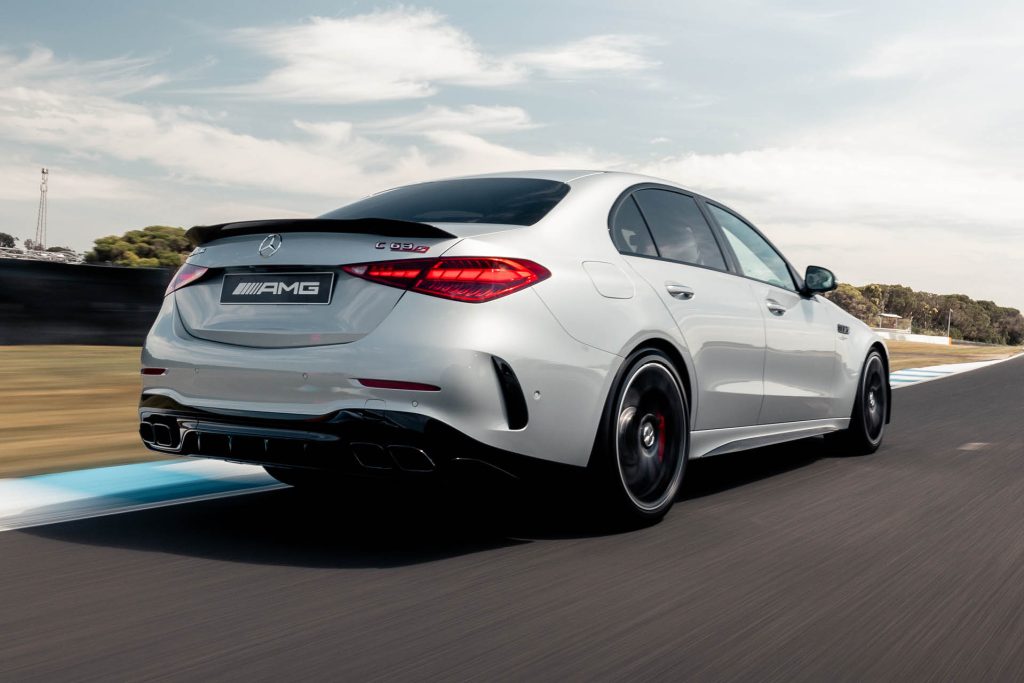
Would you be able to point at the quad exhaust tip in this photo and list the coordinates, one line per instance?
(407, 458)
(156, 433)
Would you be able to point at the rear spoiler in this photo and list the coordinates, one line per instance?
(385, 227)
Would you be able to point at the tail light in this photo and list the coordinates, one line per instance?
(186, 275)
(472, 279)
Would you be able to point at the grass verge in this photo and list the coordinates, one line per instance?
(916, 355)
(71, 407)
(68, 407)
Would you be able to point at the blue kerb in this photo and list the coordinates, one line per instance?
(141, 483)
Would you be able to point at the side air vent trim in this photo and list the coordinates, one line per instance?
(516, 411)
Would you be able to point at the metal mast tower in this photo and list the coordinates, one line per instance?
(41, 216)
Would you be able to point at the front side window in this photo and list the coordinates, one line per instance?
(629, 231)
(679, 228)
(757, 258)
(511, 201)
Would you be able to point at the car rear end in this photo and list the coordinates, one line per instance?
(372, 345)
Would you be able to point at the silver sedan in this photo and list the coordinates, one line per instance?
(603, 324)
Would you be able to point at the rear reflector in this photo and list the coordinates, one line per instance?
(186, 275)
(471, 279)
(397, 384)
(154, 371)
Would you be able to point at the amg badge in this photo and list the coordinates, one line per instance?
(403, 246)
(277, 288)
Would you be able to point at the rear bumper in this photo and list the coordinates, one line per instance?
(355, 442)
(470, 352)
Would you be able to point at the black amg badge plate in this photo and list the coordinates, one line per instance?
(277, 288)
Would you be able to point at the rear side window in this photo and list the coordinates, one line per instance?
(757, 258)
(629, 232)
(512, 201)
(679, 228)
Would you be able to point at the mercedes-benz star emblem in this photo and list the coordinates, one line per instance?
(270, 245)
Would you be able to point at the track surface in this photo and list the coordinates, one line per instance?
(780, 564)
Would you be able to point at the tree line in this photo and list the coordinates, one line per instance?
(970, 320)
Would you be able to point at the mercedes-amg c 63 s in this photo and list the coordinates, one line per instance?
(606, 323)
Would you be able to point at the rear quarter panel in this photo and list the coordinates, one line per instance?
(594, 295)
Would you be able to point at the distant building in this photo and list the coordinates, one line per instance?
(891, 321)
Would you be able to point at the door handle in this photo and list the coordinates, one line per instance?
(775, 307)
(679, 291)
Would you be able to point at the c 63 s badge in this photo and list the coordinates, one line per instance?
(403, 246)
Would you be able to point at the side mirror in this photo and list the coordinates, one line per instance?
(818, 280)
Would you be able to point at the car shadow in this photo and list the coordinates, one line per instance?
(290, 527)
(708, 476)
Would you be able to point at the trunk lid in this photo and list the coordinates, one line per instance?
(304, 251)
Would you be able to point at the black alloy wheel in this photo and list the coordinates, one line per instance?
(646, 438)
(870, 410)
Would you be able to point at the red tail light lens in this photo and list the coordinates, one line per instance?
(186, 275)
(471, 279)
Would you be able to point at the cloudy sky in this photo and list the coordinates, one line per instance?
(881, 139)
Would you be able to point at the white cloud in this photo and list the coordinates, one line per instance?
(116, 76)
(471, 118)
(326, 159)
(331, 132)
(593, 55)
(479, 155)
(944, 53)
(397, 54)
(408, 53)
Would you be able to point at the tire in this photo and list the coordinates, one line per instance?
(643, 443)
(870, 410)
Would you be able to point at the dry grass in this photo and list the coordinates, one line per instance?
(70, 407)
(916, 355)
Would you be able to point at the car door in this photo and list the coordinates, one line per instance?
(668, 242)
(801, 358)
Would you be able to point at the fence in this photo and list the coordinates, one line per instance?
(896, 335)
(58, 303)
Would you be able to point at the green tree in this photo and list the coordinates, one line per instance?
(65, 250)
(853, 301)
(7, 240)
(156, 245)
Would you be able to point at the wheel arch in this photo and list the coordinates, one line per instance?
(680, 363)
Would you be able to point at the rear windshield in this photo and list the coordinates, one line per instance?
(512, 201)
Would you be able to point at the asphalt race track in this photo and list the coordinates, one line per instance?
(780, 564)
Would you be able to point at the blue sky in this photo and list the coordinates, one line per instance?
(880, 139)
